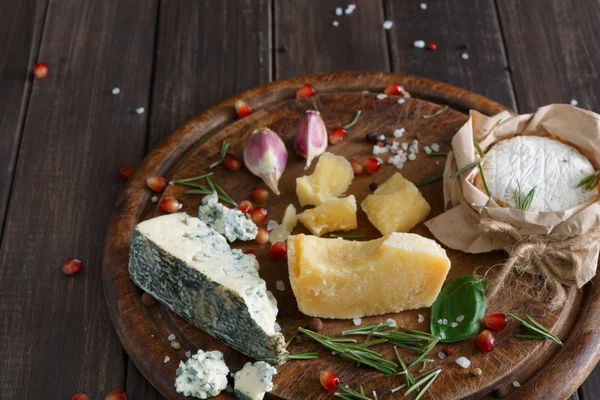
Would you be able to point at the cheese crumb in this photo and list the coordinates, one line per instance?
(116, 91)
(339, 11)
(279, 285)
(357, 321)
(154, 199)
(140, 110)
(381, 96)
(335, 23)
(516, 384)
(460, 318)
(419, 44)
(387, 25)
(398, 133)
(463, 362)
(421, 318)
(441, 355)
(171, 337)
(167, 359)
(392, 322)
(435, 147)
(272, 225)
(277, 327)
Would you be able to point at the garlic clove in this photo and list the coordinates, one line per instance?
(265, 156)
(311, 137)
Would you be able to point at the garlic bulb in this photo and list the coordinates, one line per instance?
(265, 156)
(311, 137)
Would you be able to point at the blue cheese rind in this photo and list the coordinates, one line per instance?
(191, 269)
(202, 376)
(229, 222)
(253, 381)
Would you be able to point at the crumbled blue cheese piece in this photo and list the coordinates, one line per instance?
(229, 222)
(254, 380)
(203, 375)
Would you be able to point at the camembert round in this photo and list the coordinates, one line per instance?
(551, 166)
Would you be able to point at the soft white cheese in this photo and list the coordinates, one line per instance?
(254, 380)
(203, 375)
(552, 167)
(281, 232)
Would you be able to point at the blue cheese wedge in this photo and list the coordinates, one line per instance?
(190, 268)
(253, 381)
(203, 375)
(229, 222)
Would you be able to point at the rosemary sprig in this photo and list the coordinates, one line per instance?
(195, 178)
(523, 203)
(216, 188)
(357, 353)
(210, 184)
(438, 112)
(347, 393)
(538, 330)
(478, 147)
(590, 181)
(303, 356)
(354, 121)
(436, 154)
(222, 154)
(348, 236)
(487, 190)
(464, 169)
(431, 179)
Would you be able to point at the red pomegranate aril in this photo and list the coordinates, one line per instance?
(80, 396)
(372, 165)
(496, 321)
(116, 395)
(329, 380)
(259, 215)
(259, 195)
(262, 236)
(356, 167)
(485, 341)
(250, 252)
(307, 90)
(125, 171)
(278, 251)
(72, 266)
(232, 163)
(337, 135)
(432, 47)
(156, 183)
(245, 207)
(394, 89)
(40, 70)
(170, 205)
(242, 108)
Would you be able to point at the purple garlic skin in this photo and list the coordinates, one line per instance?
(265, 156)
(311, 137)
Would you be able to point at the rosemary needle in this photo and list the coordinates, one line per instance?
(438, 112)
(431, 179)
(536, 328)
(195, 178)
(303, 356)
(222, 154)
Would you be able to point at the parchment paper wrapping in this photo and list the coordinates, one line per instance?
(458, 228)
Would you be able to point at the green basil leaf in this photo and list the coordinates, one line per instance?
(462, 299)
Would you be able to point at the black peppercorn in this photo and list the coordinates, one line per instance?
(373, 186)
(371, 138)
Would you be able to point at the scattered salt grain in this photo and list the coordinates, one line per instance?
(440, 321)
(427, 149)
(357, 321)
(188, 354)
(379, 150)
(279, 285)
(335, 23)
(460, 318)
(388, 25)
(381, 137)
(465, 56)
(454, 324)
(401, 100)
(516, 384)
(399, 132)
(392, 322)
(574, 102)
(365, 92)
(412, 156)
(435, 147)
(171, 337)
(379, 159)
(442, 335)
(423, 6)
(154, 199)
(350, 9)
(116, 91)
(395, 145)
(463, 362)
(167, 359)
(139, 110)
(419, 44)
(381, 96)
(175, 345)
(445, 321)
(272, 225)
(441, 355)
(277, 327)
(413, 148)
(421, 318)
(339, 11)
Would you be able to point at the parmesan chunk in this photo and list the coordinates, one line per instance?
(333, 215)
(332, 177)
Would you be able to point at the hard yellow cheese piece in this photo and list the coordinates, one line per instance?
(396, 206)
(336, 278)
(333, 215)
(332, 177)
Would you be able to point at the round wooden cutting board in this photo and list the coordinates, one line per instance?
(544, 369)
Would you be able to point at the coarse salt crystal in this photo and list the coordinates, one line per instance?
(421, 318)
(335, 23)
(379, 160)
(167, 359)
(435, 147)
(413, 148)
(139, 110)
(445, 321)
(441, 355)
(171, 337)
(379, 150)
(279, 285)
(412, 156)
(357, 321)
(442, 335)
(116, 90)
(404, 146)
(188, 354)
(388, 24)
(465, 56)
(272, 225)
(395, 145)
(381, 96)
(419, 44)
(516, 384)
(401, 101)
(454, 324)
(392, 322)
(423, 6)
(440, 321)
(463, 362)
(427, 149)
(339, 11)
(350, 9)
(154, 199)
(460, 318)
(277, 327)
(574, 102)
(365, 92)
(399, 132)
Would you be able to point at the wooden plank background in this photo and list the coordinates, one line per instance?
(64, 138)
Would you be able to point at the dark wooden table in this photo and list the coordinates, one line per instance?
(63, 138)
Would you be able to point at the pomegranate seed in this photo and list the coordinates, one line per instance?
(485, 341)
(232, 163)
(80, 396)
(156, 183)
(72, 266)
(496, 321)
(356, 167)
(278, 251)
(337, 135)
(394, 89)
(125, 171)
(250, 252)
(259, 215)
(40, 70)
(432, 47)
(259, 195)
(448, 350)
(116, 395)
(307, 90)
(372, 165)
(329, 380)
(170, 205)
(242, 108)
(262, 236)
(245, 207)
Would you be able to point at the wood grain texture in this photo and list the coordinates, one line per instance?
(306, 41)
(57, 337)
(20, 29)
(205, 51)
(455, 24)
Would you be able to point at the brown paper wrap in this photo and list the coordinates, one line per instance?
(471, 219)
